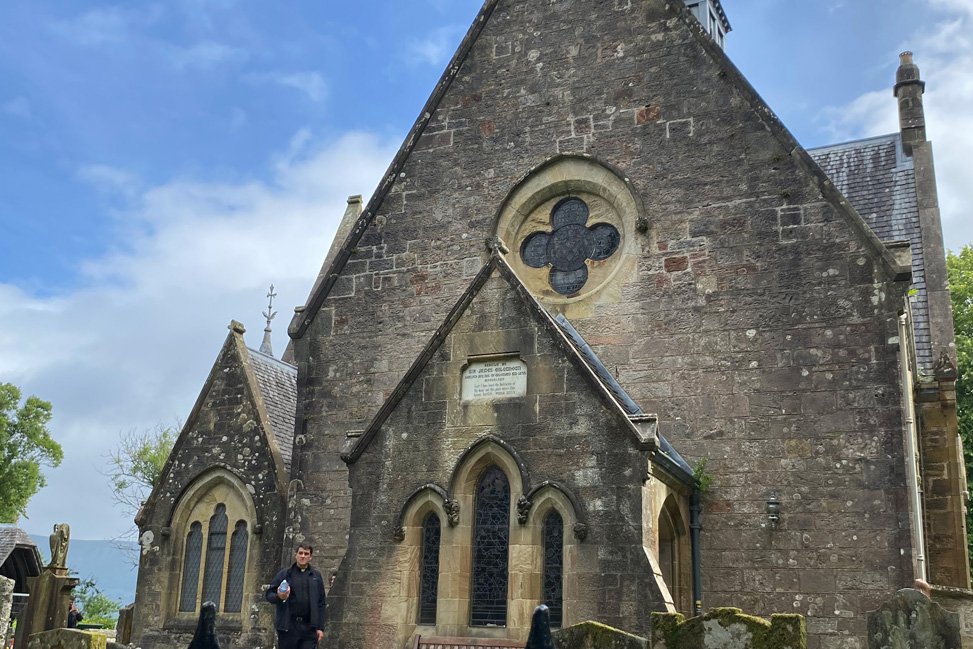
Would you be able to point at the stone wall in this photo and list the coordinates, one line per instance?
(561, 431)
(6, 606)
(222, 455)
(756, 320)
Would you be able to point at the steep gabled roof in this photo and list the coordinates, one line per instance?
(642, 427)
(303, 317)
(277, 381)
(879, 180)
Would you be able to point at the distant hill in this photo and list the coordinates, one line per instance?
(110, 566)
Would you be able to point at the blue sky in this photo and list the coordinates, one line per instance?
(164, 162)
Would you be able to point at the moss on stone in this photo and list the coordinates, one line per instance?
(782, 632)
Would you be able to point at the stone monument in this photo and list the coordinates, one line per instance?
(910, 619)
(6, 606)
(47, 607)
(540, 630)
(205, 636)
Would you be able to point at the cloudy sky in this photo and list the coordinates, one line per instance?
(163, 163)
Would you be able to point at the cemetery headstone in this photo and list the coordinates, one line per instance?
(910, 619)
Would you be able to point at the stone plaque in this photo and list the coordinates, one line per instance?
(497, 378)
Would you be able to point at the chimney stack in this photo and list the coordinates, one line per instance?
(908, 91)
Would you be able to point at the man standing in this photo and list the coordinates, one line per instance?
(300, 603)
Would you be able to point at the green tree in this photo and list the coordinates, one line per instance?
(25, 446)
(135, 466)
(96, 607)
(960, 269)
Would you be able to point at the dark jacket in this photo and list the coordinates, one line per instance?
(317, 603)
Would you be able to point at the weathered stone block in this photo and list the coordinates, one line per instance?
(910, 619)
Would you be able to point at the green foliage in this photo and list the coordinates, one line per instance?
(95, 606)
(25, 446)
(960, 268)
(135, 467)
(702, 478)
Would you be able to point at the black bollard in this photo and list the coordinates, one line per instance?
(205, 636)
(540, 630)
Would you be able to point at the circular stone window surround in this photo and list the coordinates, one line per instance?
(527, 209)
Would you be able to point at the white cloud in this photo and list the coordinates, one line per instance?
(944, 54)
(110, 24)
(437, 48)
(110, 179)
(18, 107)
(206, 55)
(309, 82)
(133, 347)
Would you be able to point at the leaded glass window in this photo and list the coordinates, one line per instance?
(569, 245)
(554, 566)
(491, 535)
(237, 568)
(215, 553)
(190, 567)
(430, 569)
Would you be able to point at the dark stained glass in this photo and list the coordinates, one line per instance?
(237, 568)
(554, 566)
(568, 247)
(190, 567)
(491, 532)
(430, 570)
(569, 211)
(215, 552)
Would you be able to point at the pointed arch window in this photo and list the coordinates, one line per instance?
(190, 567)
(668, 551)
(215, 553)
(554, 566)
(429, 588)
(237, 568)
(491, 540)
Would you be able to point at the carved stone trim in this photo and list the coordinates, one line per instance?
(399, 534)
(580, 531)
(452, 511)
(523, 509)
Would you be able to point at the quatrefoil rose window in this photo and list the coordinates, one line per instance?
(569, 245)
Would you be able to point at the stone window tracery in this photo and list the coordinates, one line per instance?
(491, 536)
(429, 586)
(569, 245)
(554, 566)
(212, 525)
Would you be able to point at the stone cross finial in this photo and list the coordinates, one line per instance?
(265, 346)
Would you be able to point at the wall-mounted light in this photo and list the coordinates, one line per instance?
(773, 509)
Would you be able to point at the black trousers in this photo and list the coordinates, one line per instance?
(300, 635)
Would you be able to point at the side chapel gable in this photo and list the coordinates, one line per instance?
(679, 17)
(233, 357)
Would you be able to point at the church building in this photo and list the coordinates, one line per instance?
(606, 337)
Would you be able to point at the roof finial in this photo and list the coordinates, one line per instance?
(265, 347)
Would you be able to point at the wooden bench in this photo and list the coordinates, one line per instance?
(425, 642)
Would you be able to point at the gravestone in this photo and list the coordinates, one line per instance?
(205, 636)
(593, 635)
(123, 628)
(910, 619)
(47, 606)
(540, 630)
(6, 605)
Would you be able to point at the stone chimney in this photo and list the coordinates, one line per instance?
(908, 92)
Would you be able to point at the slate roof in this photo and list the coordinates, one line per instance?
(627, 403)
(19, 556)
(879, 181)
(278, 385)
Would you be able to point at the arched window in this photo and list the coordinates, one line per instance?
(491, 537)
(554, 566)
(215, 553)
(190, 567)
(237, 568)
(429, 587)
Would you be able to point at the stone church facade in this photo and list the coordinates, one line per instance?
(597, 253)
